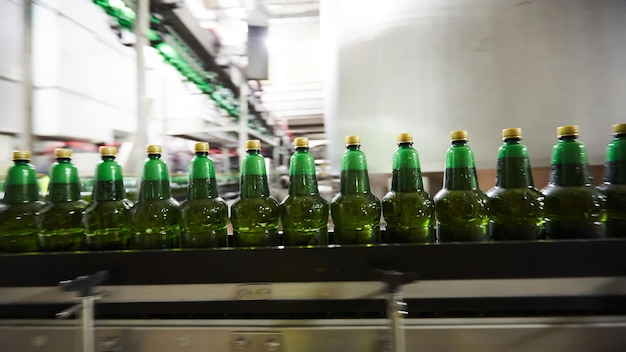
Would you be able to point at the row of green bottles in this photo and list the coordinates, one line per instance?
(569, 207)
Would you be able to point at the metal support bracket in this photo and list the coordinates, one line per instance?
(396, 307)
(86, 298)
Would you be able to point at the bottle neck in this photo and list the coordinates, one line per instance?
(155, 181)
(615, 167)
(253, 176)
(460, 173)
(354, 177)
(569, 163)
(202, 183)
(109, 184)
(302, 178)
(406, 174)
(64, 182)
(21, 184)
(513, 170)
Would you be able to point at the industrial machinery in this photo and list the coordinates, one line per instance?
(513, 296)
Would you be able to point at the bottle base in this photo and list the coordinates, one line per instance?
(571, 230)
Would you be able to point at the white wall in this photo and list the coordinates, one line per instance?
(85, 80)
(429, 67)
(10, 68)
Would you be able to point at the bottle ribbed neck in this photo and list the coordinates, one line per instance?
(302, 177)
(406, 174)
(569, 163)
(354, 177)
(202, 183)
(460, 173)
(64, 182)
(109, 184)
(253, 176)
(615, 167)
(21, 183)
(513, 170)
(155, 183)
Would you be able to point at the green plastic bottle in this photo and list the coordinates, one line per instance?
(461, 207)
(255, 214)
(304, 213)
(355, 210)
(574, 208)
(409, 211)
(107, 218)
(155, 217)
(614, 186)
(204, 213)
(515, 205)
(18, 228)
(60, 222)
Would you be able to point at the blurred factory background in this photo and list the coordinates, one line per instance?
(224, 71)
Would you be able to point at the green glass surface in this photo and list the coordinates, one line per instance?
(461, 207)
(304, 213)
(18, 228)
(355, 210)
(60, 221)
(614, 187)
(155, 217)
(107, 218)
(574, 208)
(409, 211)
(204, 213)
(516, 206)
(255, 214)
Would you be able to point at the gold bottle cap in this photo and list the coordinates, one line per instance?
(108, 150)
(460, 135)
(21, 155)
(301, 142)
(404, 138)
(153, 149)
(201, 147)
(253, 144)
(514, 132)
(353, 140)
(571, 130)
(62, 153)
(620, 128)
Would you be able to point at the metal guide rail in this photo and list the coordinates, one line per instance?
(462, 279)
(552, 295)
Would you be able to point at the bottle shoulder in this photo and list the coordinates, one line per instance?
(18, 208)
(419, 196)
(453, 195)
(355, 198)
(308, 199)
(64, 206)
(268, 200)
(123, 204)
(552, 190)
(521, 191)
(205, 202)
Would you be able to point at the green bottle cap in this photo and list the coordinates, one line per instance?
(404, 138)
(201, 147)
(153, 149)
(301, 142)
(459, 135)
(514, 132)
(564, 131)
(619, 128)
(21, 155)
(108, 150)
(62, 153)
(253, 144)
(353, 140)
